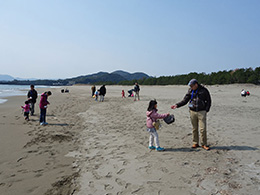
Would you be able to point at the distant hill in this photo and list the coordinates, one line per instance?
(4, 77)
(97, 78)
(133, 76)
(10, 78)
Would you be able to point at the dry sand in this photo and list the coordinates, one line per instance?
(102, 147)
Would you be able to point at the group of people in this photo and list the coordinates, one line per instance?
(245, 93)
(133, 92)
(95, 93)
(99, 92)
(197, 97)
(29, 106)
(199, 102)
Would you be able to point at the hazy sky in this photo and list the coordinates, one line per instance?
(66, 38)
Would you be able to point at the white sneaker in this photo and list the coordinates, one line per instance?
(41, 123)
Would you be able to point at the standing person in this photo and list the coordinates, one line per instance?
(123, 94)
(199, 104)
(32, 96)
(43, 107)
(136, 90)
(102, 93)
(26, 110)
(152, 117)
(93, 89)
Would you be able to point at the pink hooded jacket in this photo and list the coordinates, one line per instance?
(43, 101)
(152, 116)
(26, 108)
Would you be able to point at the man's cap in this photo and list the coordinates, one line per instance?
(192, 82)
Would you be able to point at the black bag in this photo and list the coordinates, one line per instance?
(169, 119)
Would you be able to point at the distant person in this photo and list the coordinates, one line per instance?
(199, 101)
(152, 117)
(32, 96)
(130, 92)
(123, 94)
(43, 107)
(93, 90)
(243, 93)
(102, 93)
(136, 90)
(96, 95)
(26, 110)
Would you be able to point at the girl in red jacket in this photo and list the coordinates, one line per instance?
(43, 107)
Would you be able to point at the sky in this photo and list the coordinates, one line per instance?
(54, 39)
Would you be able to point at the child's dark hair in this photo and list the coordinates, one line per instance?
(48, 92)
(152, 103)
(26, 102)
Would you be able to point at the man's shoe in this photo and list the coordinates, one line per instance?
(152, 147)
(205, 147)
(195, 146)
(159, 149)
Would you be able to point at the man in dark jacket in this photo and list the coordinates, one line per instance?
(102, 93)
(199, 101)
(32, 96)
(136, 90)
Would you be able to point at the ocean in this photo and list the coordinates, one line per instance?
(15, 90)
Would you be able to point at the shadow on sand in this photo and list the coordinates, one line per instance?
(58, 124)
(224, 148)
(233, 148)
(181, 150)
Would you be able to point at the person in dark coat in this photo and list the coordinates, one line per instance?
(199, 101)
(136, 90)
(32, 96)
(102, 93)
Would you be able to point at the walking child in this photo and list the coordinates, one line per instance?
(153, 116)
(123, 94)
(26, 109)
(96, 95)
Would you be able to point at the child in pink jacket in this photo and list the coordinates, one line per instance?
(152, 116)
(26, 110)
(43, 107)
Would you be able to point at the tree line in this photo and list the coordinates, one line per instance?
(243, 75)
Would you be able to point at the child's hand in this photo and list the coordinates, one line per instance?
(174, 106)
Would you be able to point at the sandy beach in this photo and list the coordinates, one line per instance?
(99, 148)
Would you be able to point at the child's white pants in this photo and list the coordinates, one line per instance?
(154, 139)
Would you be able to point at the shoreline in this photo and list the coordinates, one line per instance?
(38, 163)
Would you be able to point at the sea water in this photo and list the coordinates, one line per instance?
(15, 90)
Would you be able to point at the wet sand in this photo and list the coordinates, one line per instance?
(102, 147)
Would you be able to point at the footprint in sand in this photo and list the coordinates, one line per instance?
(91, 184)
(108, 187)
(95, 174)
(164, 169)
(121, 171)
(109, 175)
(120, 182)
